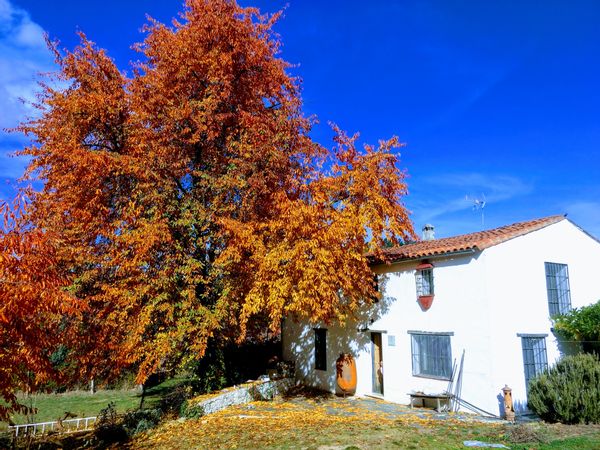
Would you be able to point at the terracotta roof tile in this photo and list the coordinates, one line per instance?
(474, 241)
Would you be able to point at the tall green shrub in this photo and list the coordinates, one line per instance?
(583, 325)
(569, 392)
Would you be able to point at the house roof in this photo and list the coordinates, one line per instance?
(477, 241)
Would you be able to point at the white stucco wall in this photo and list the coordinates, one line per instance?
(457, 308)
(484, 299)
(516, 284)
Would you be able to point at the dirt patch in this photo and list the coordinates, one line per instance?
(525, 433)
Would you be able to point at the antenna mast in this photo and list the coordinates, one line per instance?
(478, 205)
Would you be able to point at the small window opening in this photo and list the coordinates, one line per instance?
(320, 349)
(424, 278)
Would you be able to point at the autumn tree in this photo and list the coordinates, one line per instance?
(190, 202)
(32, 306)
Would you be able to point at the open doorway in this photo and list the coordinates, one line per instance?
(377, 358)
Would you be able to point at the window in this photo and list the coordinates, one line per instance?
(557, 285)
(376, 286)
(535, 359)
(391, 341)
(424, 279)
(320, 349)
(431, 354)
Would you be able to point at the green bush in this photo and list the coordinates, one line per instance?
(141, 420)
(112, 428)
(569, 392)
(209, 373)
(191, 411)
(583, 325)
(109, 429)
(173, 400)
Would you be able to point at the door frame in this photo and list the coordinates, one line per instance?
(377, 378)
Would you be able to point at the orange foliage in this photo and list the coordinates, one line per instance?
(32, 305)
(189, 200)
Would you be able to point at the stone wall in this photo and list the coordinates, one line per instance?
(237, 395)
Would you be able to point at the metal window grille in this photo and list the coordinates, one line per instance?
(320, 349)
(431, 355)
(424, 280)
(557, 285)
(535, 359)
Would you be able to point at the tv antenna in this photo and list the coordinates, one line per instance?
(478, 205)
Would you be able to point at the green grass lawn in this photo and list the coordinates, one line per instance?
(574, 443)
(84, 404)
(81, 403)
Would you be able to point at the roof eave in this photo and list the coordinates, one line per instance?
(468, 251)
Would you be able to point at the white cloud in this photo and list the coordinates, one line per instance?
(23, 55)
(30, 35)
(451, 193)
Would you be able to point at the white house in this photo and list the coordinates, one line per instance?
(492, 293)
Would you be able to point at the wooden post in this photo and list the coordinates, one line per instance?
(509, 411)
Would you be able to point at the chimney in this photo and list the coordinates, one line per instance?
(428, 232)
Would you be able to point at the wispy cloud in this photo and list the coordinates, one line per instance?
(23, 56)
(450, 193)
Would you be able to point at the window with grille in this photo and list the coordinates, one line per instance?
(431, 355)
(424, 278)
(535, 359)
(557, 285)
(320, 349)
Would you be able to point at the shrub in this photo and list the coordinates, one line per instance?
(583, 325)
(141, 420)
(112, 428)
(209, 373)
(172, 402)
(109, 428)
(191, 411)
(569, 392)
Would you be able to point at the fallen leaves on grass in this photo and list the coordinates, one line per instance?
(282, 423)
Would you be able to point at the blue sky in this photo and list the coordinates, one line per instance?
(496, 99)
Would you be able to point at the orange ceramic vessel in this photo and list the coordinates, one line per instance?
(346, 373)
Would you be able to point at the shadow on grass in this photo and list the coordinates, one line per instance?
(300, 392)
(168, 396)
(165, 388)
